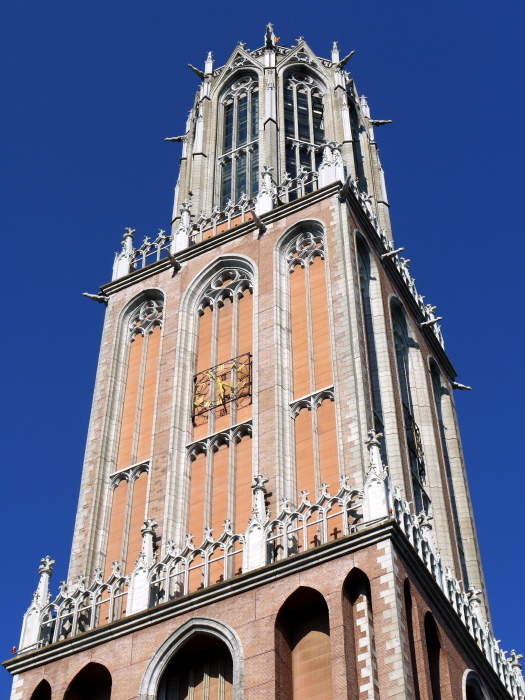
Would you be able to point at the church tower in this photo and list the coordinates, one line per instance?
(274, 503)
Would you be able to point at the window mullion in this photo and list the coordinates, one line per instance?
(311, 128)
(235, 122)
(310, 117)
(249, 97)
(295, 113)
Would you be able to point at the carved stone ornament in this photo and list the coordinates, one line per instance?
(245, 84)
(145, 317)
(226, 284)
(303, 249)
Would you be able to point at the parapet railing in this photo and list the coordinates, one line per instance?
(79, 608)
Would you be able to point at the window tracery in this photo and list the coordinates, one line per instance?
(145, 317)
(226, 284)
(128, 484)
(416, 455)
(221, 460)
(366, 280)
(239, 160)
(303, 123)
(305, 248)
(313, 405)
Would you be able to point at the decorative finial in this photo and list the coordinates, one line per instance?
(269, 38)
(149, 526)
(46, 566)
(208, 65)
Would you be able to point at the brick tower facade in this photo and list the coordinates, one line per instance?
(274, 502)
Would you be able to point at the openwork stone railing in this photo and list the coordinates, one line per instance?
(467, 604)
(79, 608)
(232, 215)
(271, 194)
(292, 188)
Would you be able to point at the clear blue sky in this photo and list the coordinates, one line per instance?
(90, 90)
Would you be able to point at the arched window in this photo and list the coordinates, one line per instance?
(359, 633)
(239, 161)
(363, 255)
(313, 407)
(203, 668)
(141, 336)
(92, 683)
(438, 390)
(221, 454)
(303, 123)
(409, 609)
(434, 654)
(403, 343)
(302, 648)
(474, 689)
(42, 691)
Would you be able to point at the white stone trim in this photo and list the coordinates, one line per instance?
(197, 625)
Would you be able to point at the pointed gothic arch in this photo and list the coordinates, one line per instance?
(197, 627)
(42, 691)
(359, 633)
(93, 682)
(238, 138)
(303, 127)
(211, 328)
(438, 680)
(303, 653)
(473, 687)
(407, 359)
(138, 352)
(370, 287)
(308, 409)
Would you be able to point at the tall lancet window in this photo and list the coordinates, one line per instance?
(415, 446)
(366, 280)
(313, 404)
(303, 123)
(239, 161)
(221, 451)
(129, 481)
(440, 392)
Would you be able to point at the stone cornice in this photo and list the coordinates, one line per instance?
(365, 537)
(231, 234)
(275, 215)
(441, 607)
(386, 529)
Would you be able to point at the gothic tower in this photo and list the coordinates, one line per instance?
(274, 502)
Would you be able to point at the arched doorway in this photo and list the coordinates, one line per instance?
(359, 633)
(42, 691)
(93, 682)
(302, 648)
(202, 668)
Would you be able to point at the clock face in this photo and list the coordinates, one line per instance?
(221, 385)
